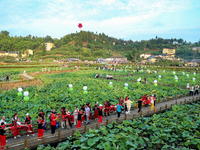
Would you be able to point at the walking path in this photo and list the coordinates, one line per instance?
(112, 116)
(27, 76)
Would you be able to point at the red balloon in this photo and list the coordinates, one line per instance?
(80, 25)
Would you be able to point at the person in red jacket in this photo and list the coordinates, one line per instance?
(3, 135)
(95, 112)
(80, 114)
(41, 114)
(83, 116)
(107, 110)
(40, 128)
(28, 122)
(53, 122)
(100, 112)
(121, 101)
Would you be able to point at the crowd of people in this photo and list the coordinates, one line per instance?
(194, 90)
(77, 117)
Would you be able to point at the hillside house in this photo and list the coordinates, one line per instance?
(169, 52)
(196, 48)
(49, 46)
(145, 55)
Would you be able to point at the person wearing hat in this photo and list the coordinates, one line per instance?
(2, 134)
(40, 128)
(100, 113)
(53, 122)
(128, 104)
(28, 122)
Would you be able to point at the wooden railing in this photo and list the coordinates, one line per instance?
(61, 136)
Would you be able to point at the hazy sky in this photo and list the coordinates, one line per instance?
(125, 19)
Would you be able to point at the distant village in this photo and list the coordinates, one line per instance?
(145, 58)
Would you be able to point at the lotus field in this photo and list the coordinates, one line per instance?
(56, 92)
(177, 129)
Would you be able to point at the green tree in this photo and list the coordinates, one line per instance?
(43, 49)
(6, 33)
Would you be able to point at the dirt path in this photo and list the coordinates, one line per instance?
(30, 79)
(27, 76)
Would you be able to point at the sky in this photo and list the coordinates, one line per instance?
(123, 19)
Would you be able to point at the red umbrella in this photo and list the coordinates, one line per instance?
(80, 26)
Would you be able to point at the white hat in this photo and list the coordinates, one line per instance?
(100, 105)
(27, 114)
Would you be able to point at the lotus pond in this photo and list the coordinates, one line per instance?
(55, 93)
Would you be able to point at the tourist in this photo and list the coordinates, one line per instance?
(63, 112)
(100, 113)
(121, 101)
(127, 98)
(87, 113)
(145, 80)
(68, 118)
(119, 109)
(80, 114)
(196, 90)
(15, 129)
(3, 120)
(7, 77)
(51, 114)
(140, 104)
(191, 90)
(128, 104)
(140, 79)
(154, 98)
(106, 110)
(83, 116)
(28, 122)
(41, 114)
(188, 86)
(40, 128)
(95, 111)
(90, 116)
(75, 115)
(53, 122)
(2, 134)
(24, 71)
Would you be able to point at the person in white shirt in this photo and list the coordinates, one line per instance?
(3, 120)
(87, 113)
(140, 79)
(75, 115)
(191, 90)
(128, 103)
(188, 85)
(196, 90)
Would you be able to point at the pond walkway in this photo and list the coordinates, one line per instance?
(62, 134)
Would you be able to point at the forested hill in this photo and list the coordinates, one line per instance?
(100, 42)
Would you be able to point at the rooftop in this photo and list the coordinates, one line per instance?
(196, 60)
